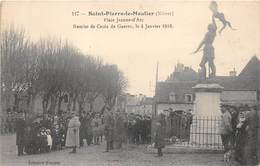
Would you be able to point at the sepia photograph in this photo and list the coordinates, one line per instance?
(130, 83)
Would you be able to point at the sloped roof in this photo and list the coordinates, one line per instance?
(250, 75)
(248, 79)
(252, 69)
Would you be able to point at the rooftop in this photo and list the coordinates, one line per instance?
(247, 80)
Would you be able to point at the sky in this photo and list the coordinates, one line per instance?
(135, 51)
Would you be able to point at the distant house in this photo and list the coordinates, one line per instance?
(177, 95)
(182, 73)
(137, 104)
(176, 92)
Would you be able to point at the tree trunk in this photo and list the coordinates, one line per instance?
(53, 104)
(31, 103)
(91, 98)
(80, 100)
(16, 102)
(91, 106)
(59, 102)
(69, 102)
(80, 103)
(45, 103)
(74, 103)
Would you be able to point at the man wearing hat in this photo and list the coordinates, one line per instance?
(82, 130)
(20, 132)
(119, 129)
(159, 139)
(225, 127)
(96, 123)
(109, 129)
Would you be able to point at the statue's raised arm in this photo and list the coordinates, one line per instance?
(214, 8)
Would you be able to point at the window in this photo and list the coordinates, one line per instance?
(188, 98)
(172, 97)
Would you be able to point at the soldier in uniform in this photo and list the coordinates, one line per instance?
(137, 129)
(20, 132)
(159, 138)
(119, 129)
(82, 130)
(109, 130)
(96, 124)
(89, 130)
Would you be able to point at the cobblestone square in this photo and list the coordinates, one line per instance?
(94, 156)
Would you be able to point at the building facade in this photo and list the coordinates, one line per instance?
(176, 93)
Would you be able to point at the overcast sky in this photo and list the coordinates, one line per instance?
(137, 51)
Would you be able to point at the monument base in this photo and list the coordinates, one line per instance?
(206, 116)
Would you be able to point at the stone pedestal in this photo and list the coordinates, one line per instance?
(206, 115)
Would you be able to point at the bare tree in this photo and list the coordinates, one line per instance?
(14, 49)
(114, 83)
(52, 68)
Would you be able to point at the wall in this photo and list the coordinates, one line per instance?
(184, 107)
(239, 96)
(139, 109)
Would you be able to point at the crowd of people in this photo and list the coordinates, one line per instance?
(8, 123)
(238, 131)
(39, 135)
(54, 132)
(116, 126)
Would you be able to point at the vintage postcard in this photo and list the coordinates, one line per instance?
(130, 83)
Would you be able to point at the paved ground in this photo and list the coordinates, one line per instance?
(94, 156)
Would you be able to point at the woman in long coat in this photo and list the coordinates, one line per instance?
(72, 138)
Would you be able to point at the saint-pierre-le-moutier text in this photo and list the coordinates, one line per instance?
(128, 13)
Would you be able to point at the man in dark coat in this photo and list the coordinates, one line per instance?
(251, 147)
(225, 127)
(88, 128)
(109, 130)
(149, 126)
(137, 129)
(159, 138)
(82, 129)
(130, 129)
(119, 129)
(241, 138)
(20, 133)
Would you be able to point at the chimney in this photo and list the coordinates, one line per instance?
(233, 73)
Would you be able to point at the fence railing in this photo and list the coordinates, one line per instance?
(197, 131)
